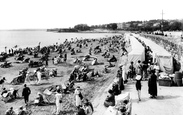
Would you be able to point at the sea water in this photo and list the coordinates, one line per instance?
(30, 38)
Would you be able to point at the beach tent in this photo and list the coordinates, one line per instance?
(160, 55)
(137, 51)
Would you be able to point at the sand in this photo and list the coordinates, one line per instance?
(90, 88)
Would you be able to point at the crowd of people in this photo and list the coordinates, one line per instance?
(109, 45)
(145, 70)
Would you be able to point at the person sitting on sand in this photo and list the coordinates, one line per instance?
(78, 51)
(84, 68)
(88, 109)
(73, 76)
(111, 65)
(86, 58)
(80, 111)
(77, 60)
(39, 100)
(110, 100)
(115, 88)
(69, 86)
(21, 111)
(124, 51)
(89, 103)
(10, 111)
(4, 92)
(107, 55)
(113, 59)
(94, 62)
(73, 52)
(106, 70)
(53, 72)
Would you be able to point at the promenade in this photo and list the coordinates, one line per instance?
(168, 102)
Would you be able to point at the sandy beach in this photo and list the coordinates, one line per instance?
(89, 88)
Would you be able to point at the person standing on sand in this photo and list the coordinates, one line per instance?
(25, 93)
(78, 96)
(38, 76)
(152, 84)
(65, 57)
(2, 82)
(58, 101)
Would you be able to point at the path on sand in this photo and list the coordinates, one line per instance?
(168, 102)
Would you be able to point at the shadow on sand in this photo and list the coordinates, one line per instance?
(46, 83)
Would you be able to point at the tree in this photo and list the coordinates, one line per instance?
(112, 26)
(176, 26)
(82, 27)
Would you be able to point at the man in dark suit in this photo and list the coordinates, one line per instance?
(25, 93)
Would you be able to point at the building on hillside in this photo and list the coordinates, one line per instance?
(120, 26)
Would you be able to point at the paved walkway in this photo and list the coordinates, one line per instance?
(168, 102)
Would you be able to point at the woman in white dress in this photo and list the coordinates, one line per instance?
(78, 96)
(58, 101)
(124, 73)
(39, 76)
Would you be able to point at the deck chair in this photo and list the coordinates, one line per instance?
(49, 96)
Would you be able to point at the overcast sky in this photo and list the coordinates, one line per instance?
(24, 14)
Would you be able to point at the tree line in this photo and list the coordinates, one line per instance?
(149, 26)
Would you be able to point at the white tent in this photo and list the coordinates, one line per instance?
(160, 55)
(137, 51)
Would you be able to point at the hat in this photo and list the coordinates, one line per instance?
(138, 77)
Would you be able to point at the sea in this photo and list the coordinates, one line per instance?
(31, 38)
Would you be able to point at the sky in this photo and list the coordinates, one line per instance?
(44, 14)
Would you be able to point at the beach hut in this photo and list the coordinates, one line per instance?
(160, 55)
(137, 51)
